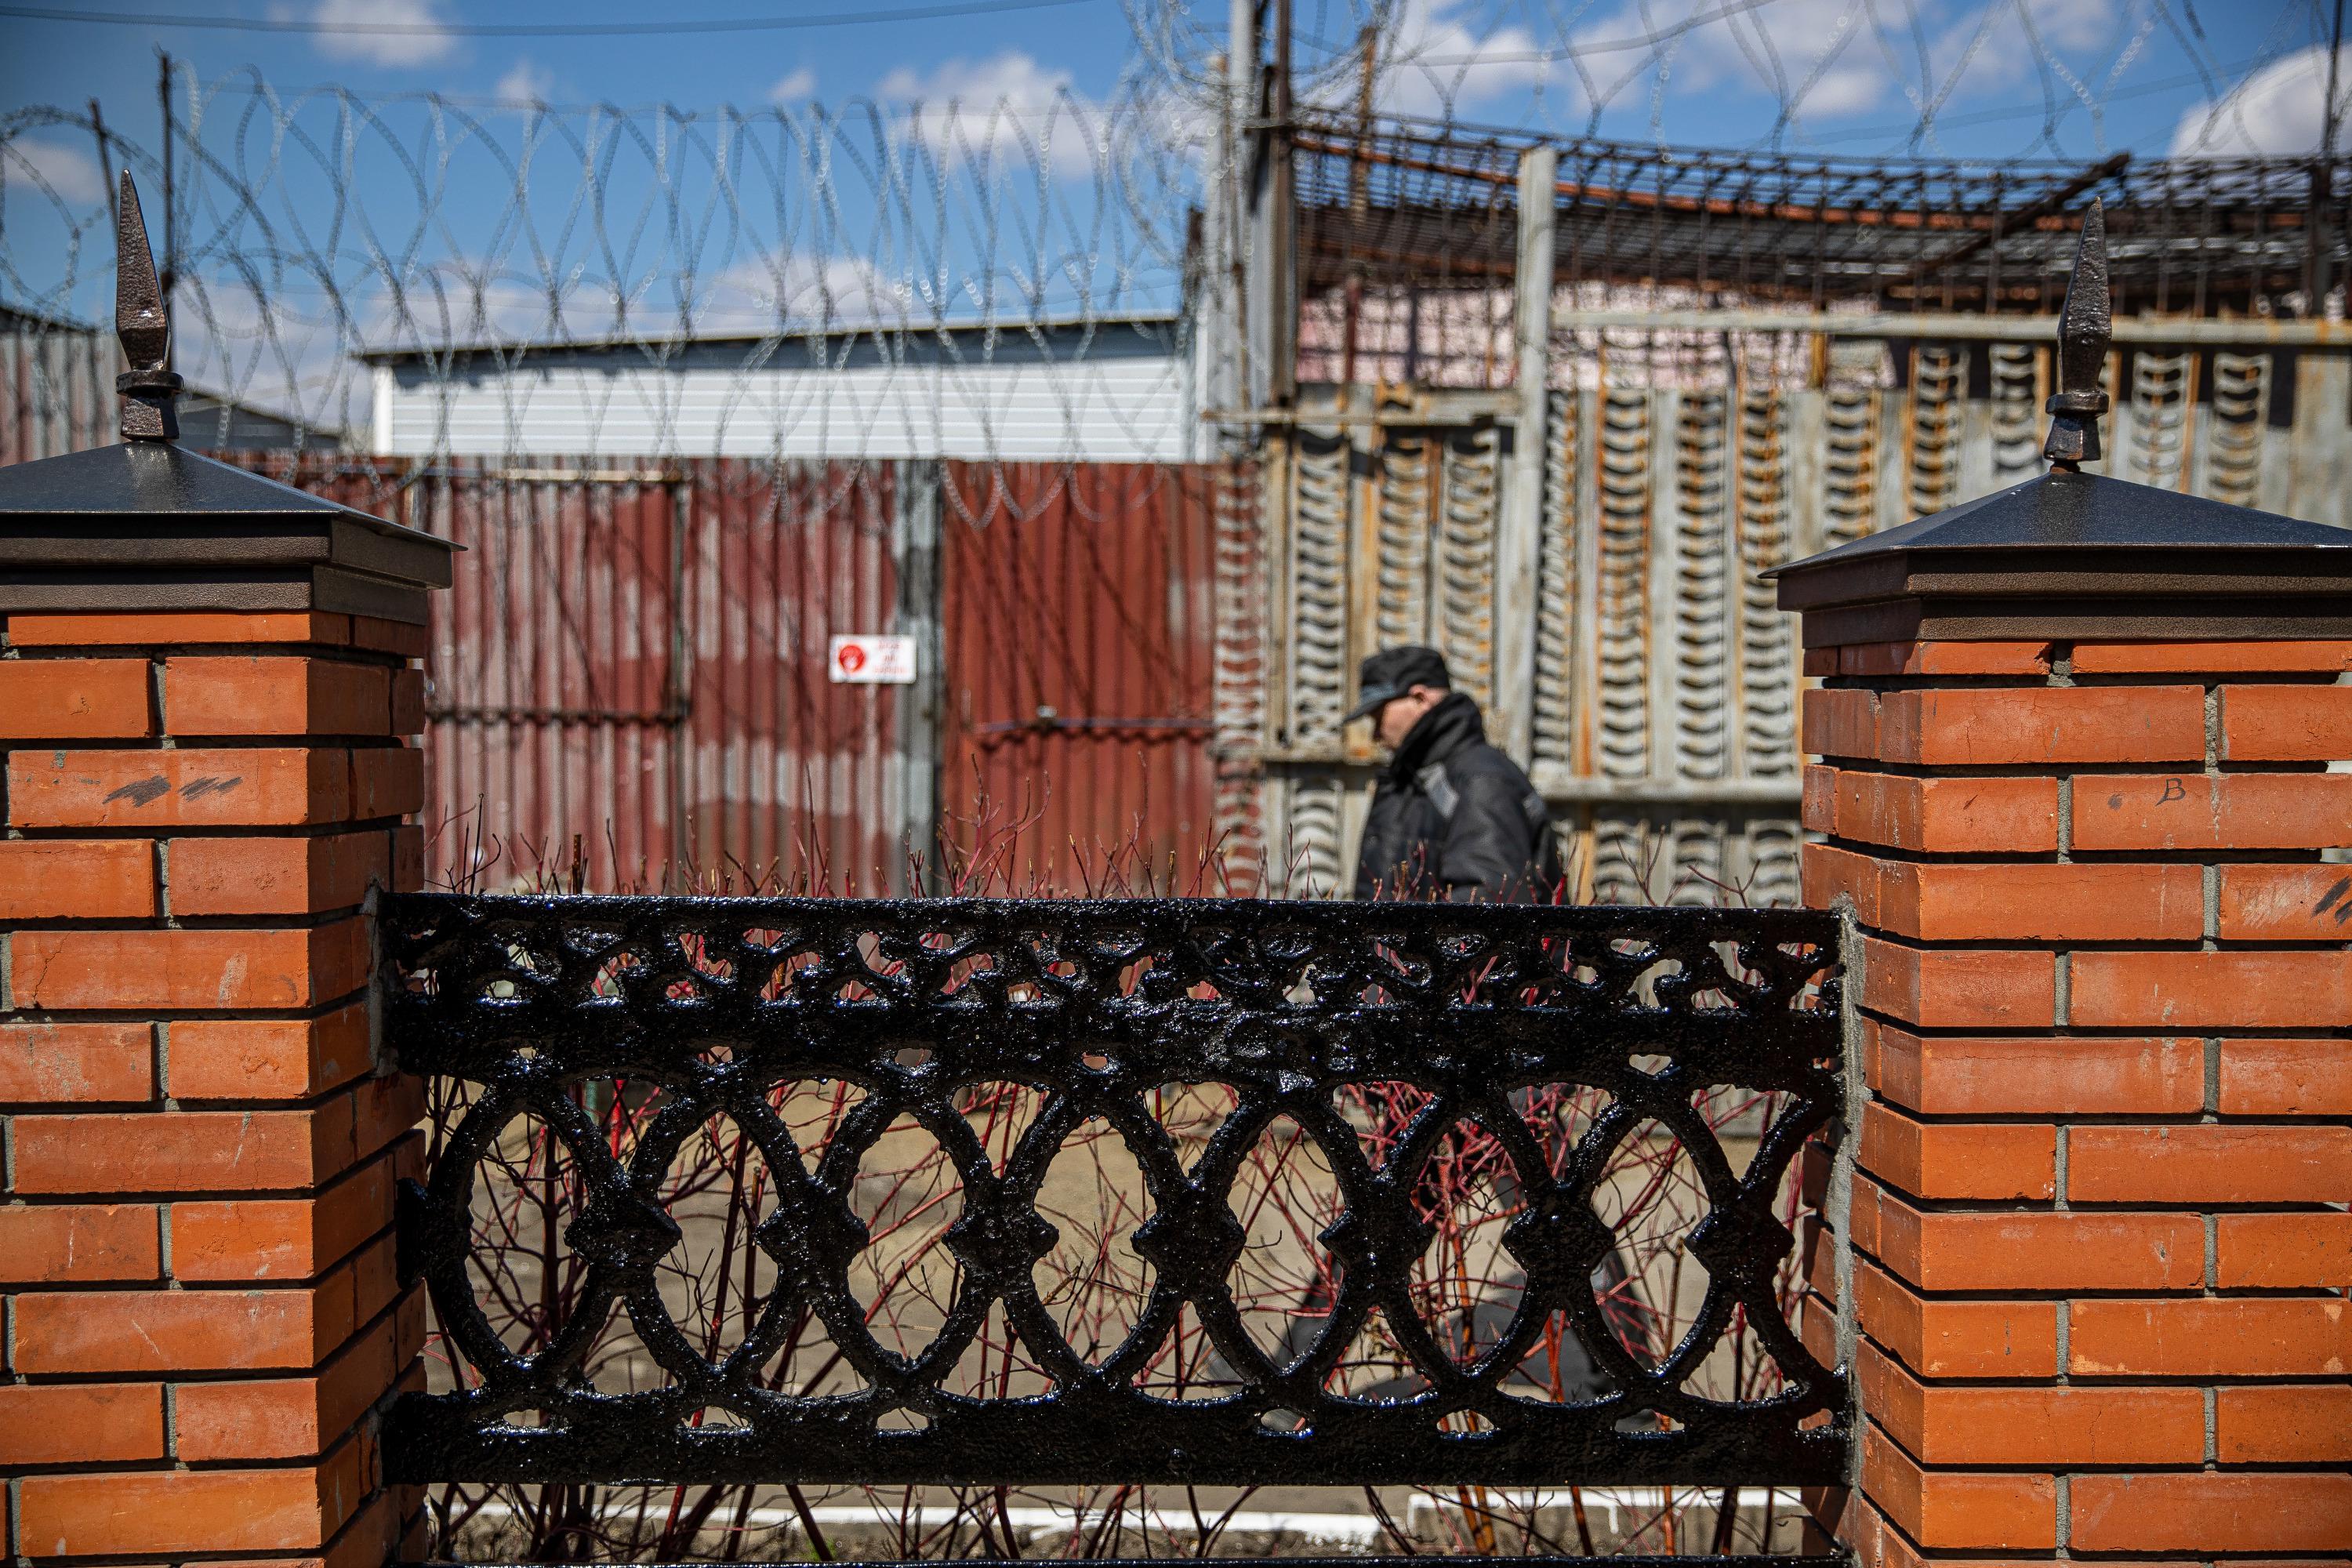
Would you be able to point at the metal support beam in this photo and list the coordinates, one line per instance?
(2248, 332)
(1283, 221)
(1230, 293)
(1518, 542)
(921, 707)
(1424, 407)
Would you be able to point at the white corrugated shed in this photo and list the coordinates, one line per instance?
(1107, 391)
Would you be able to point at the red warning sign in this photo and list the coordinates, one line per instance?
(873, 660)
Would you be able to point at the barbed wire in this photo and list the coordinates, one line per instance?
(733, 273)
(1014, 277)
(1787, 75)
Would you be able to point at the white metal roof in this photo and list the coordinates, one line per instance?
(1117, 391)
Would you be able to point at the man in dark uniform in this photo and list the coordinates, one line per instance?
(1453, 817)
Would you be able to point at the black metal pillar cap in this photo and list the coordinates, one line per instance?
(149, 526)
(2085, 331)
(144, 326)
(2072, 555)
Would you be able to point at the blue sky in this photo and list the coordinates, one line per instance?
(2147, 60)
(58, 61)
(773, 181)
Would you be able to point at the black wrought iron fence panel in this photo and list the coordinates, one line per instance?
(1095, 1003)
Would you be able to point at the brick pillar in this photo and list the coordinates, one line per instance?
(2099, 1247)
(2087, 1262)
(206, 684)
(202, 1153)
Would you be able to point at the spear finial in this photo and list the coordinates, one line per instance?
(2085, 325)
(141, 322)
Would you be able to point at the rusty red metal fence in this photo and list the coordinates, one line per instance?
(556, 696)
(630, 680)
(784, 773)
(633, 669)
(1079, 604)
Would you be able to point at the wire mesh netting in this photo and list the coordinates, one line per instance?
(1408, 243)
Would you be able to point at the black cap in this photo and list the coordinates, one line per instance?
(1393, 671)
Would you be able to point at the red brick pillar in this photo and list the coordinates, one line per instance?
(196, 1237)
(195, 1246)
(2089, 1251)
(201, 1309)
(2099, 1247)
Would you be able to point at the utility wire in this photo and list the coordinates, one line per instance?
(526, 29)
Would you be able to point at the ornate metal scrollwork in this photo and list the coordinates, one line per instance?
(1094, 1005)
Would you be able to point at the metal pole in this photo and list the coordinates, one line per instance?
(1358, 209)
(1243, 84)
(2179, 332)
(171, 268)
(1241, 58)
(1519, 543)
(2323, 177)
(2328, 117)
(1286, 218)
(679, 706)
(921, 708)
(106, 166)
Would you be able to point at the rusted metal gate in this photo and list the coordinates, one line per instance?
(785, 770)
(1662, 681)
(633, 669)
(1079, 631)
(555, 700)
(635, 657)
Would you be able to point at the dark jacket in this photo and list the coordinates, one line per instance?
(1455, 818)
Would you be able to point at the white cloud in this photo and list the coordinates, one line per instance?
(1991, 47)
(1432, 64)
(1818, 52)
(1012, 77)
(431, 40)
(794, 85)
(795, 293)
(1834, 58)
(2277, 110)
(70, 171)
(524, 84)
(1815, 52)
(1007, 107)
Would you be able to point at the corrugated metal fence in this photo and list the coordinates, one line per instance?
(56, 387)
(635, 659)
(1080, 636)
(1661, 679)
